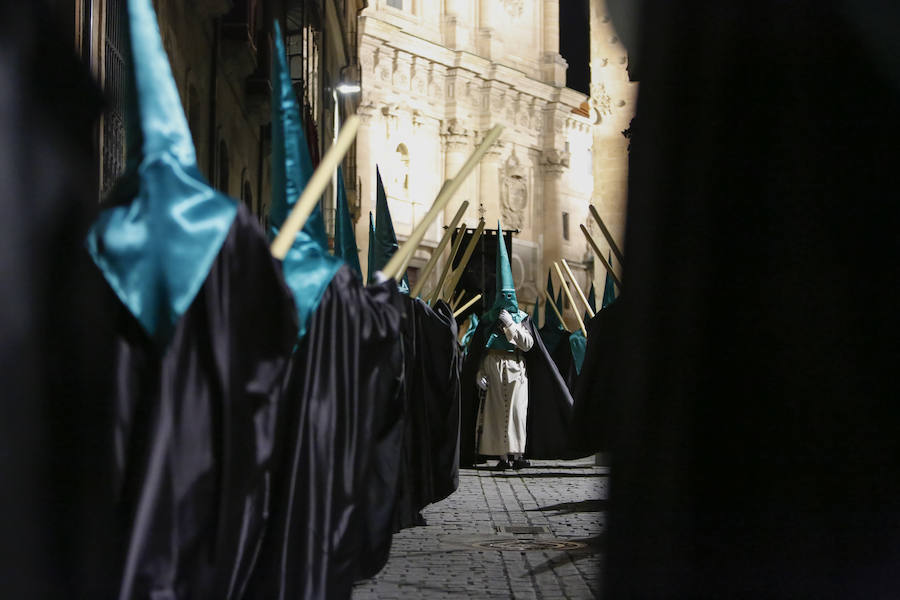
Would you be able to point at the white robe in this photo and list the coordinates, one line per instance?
(504, 412)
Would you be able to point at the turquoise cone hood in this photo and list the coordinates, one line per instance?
(609, 288)
(550, 318)
(308, 268)
(385, 244)
(156, 243)
(505, 298)
(578, 345)
(344, 238)
(291, 161)
(370, 257)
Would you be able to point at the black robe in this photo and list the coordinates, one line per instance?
(595, 394)
(340, 442)
(195, 426)
(758, 451)
(56, 512)
(430, 462)
(556, 341)
(549, 400)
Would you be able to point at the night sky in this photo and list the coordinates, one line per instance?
(575, 42)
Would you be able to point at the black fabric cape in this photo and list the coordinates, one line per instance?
(757, 453)
(56, 512)
(340, 441)
(595, 393)
(430, 462)
(556, 341)
(195, 426)
(549, 401)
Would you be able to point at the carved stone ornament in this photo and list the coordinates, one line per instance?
(514, 7)
(600, 100)
(514, 194)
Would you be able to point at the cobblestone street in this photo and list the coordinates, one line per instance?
(476, 542)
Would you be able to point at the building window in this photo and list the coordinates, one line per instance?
(398, 4)
(401, 168)
(565, 223)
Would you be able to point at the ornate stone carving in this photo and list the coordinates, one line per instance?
(514, 193)
(554, 161)
(514, 7)
(455, 135)
(600, 100)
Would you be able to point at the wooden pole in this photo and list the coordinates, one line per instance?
(568, 293)
(450, 286)
(578, 289)
(314, 189)
(596, 250)
(556, 310)
(465, 306)
(436, 254)
(607, 235)
(392, 269)
(435, 294)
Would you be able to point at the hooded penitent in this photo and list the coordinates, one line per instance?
(344, 239)
(203, 327)
(505, 298)
(385, 244)
(157, 243)
(609, 288)
(308, 268)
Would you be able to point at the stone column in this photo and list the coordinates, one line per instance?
(554, 66)
(456, 150)
(553, 167)
(489, 41)
(489, 184)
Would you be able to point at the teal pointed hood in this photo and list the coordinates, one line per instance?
(592, 298)
(308, 267)
(609, 288)
(470, 332)
(385, 239)
(550, 319)
(166, 224)
(504, 298)
(578, 345)
(344, 238)
(291, 161)
(370, 257)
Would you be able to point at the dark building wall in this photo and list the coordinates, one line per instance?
(220, 52)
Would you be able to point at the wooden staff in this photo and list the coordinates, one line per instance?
(392, 269)
(429, 266)
(314, 189)
(454, 302)
(578, 289)
(565, 287)
(450, 286)
(435, 294)
(465, 306)
(607, 235)
(599, 254)
(556, 310)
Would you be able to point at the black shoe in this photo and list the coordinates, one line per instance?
(520, 463)
(502, 465)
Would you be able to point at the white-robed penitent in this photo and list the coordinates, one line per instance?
(504, 412)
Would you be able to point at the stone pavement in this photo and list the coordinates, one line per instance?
(552, 504)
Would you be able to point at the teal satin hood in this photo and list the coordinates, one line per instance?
(308, 267)
(383, 244)
(344, 237)
(505, 298)
(156, 243)
(578, 345)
